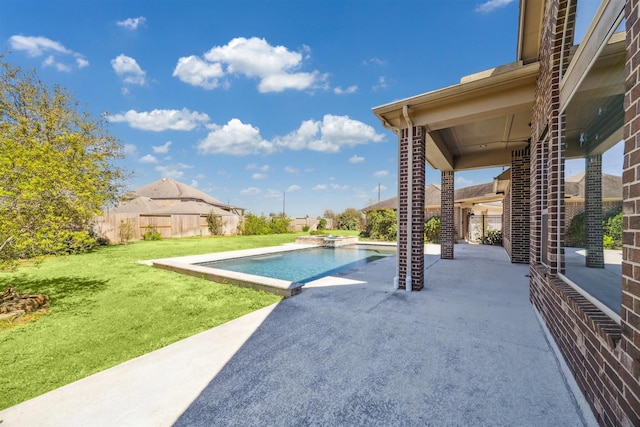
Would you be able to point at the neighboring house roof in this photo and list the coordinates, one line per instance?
(167, 196)
(433, 194)
(192, 207)
(611, 187)
(167, 188)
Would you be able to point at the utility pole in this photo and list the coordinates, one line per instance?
(378, 192)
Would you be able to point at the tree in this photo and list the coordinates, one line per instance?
(350, 219)
(56, 170)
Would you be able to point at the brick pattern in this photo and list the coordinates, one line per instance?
(447, 224)
(590, 343)
(415, 178)
(603, 356)
(506, 222)
(630, 311)
(520, 210)
(537, 201)
(593, 208)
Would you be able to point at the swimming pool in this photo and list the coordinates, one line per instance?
(302, 266)
(282, 270)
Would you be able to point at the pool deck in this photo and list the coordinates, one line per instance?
(349, 350)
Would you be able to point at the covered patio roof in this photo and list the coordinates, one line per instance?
(474, 124)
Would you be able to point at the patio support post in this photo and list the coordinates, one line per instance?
(520, 208)
(447, 224)
(411, 235)
(593, 211)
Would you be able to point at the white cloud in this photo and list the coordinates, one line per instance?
(174, 171)
(132, 23)
(382, 83)
(329, 135)
(234, 138)
(128, 69)
(161, 149)
(381, 174)
(273, 194)
(293, 188)
(339, 91)
(375, 61)
(463, 182)
(339, 187)
(356, 159)
(36, 46)
(259, 176)
(148, 159)
(194, 183)
(320, 187)
(160, 120)
(251, 191)
(291, 170)
(50, 61)
(253, 166)
(55, 51)
(130, 150)
(491, 5)
(276, 66)
(197, 72)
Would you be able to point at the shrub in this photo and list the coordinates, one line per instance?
(279, 224)
(253, 225)
(608, 242)
(612, 228)
(151, 233)
(322, 224)
(350, 219)
(493, 237)
(305, 228)
(381, 225)
(126, 231)
(317, 232)
(215, 224)
(432, 230)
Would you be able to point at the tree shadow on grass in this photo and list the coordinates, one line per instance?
(62, 291)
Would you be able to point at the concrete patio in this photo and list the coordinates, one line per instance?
(349, 350)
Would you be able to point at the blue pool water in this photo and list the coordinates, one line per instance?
(302, 266)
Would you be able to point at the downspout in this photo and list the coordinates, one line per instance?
(408, 279)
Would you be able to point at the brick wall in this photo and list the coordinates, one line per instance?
(519, 210)
(447, 231)
(415, 178)
(603, 356)
(593, 207)
(506, 221)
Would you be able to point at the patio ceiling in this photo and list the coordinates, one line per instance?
(474, 124)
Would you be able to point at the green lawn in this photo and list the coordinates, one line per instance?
(106, 309)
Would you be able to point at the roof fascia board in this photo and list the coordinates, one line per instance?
(392, 113)
(604, 24)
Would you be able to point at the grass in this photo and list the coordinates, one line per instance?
(106, 309)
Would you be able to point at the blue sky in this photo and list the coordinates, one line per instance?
(246, 100)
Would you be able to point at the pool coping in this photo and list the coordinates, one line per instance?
(187, 265)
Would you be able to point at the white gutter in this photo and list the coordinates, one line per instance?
(408, 281)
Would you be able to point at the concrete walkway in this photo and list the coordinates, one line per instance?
(466, 351)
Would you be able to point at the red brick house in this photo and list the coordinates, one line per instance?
(571, 95)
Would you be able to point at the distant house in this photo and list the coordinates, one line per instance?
(477, 208)
(480, 208)
(173, 208)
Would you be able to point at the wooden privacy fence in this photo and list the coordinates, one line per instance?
(168, 225)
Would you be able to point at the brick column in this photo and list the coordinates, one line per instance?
(447, 225)
(520, 206)
(593, 211)
(630, 311)
(415, 178)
